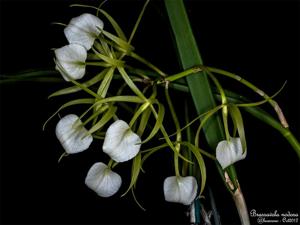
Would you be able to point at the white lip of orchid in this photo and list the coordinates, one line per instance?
(229, 152)
(120, 142)
(83, 30)
(71, 59)
(180, 189)
(103, 180)
(72, 135)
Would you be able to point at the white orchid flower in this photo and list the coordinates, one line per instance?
(103, 180)
(120, 142)
(83, 30)
(229, 152)
(72, 135)
(180, 189)
(71, 61)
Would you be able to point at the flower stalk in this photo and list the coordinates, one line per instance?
(177, 126)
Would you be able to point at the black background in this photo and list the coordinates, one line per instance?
(256, 39)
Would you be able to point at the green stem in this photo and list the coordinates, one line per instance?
(178, 130)
(224, 103)
(196, 69)
(189, 136)
(182, 74)
(110, 163)
(255, 89)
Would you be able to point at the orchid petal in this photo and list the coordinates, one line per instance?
(72, 135)
(180, 189)
(71, 59)
(229, 152)
(102, 180)
(120, 142)
(83, 30)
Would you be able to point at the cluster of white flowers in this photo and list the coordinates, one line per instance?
(120, 143)
(81, 33)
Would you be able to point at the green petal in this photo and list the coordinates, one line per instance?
(140, 110)
(158, 123)
(70, 103)
(135, 171)
(238, 121)
(75, 88)
(200, 160)
(105, 118)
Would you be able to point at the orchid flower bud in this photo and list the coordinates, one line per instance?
(229, 152)
(103, 180)
(180, 189)
(120, 142)
(72, 135)
(83, 30)
(71, 61)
